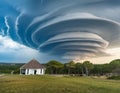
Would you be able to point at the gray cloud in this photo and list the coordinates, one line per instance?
(79, 28)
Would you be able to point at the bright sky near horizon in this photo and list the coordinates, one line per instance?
(55, 29)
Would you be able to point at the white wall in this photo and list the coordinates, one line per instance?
(31, 71)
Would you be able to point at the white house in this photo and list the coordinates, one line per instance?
(32, 68)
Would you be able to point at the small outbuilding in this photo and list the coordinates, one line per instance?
(32, 68)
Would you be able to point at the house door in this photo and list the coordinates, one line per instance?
(23, 71)
(35, 72)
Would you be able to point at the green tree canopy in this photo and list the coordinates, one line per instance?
(88, 66)
(69, 66)
(115, 64)
(54, 65)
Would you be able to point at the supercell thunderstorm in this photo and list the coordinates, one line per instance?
(58, 28)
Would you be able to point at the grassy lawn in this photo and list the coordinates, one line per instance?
(53, 84)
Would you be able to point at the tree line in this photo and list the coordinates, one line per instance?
(10, 67)
(86, 68)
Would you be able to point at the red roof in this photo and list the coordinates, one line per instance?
(33, 64)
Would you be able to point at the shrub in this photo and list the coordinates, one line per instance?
(114, 77)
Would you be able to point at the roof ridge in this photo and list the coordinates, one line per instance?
(33, 64)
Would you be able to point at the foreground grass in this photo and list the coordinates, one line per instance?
(52, 84)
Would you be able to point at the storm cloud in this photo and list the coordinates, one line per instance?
(62, 29)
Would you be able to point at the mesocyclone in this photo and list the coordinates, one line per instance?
(72, 35)
(59, 28)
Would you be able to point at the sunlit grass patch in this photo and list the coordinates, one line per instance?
(53, 84)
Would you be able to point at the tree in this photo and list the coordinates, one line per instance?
(101, 69)
(79, 68)
(54, 66)
(115, 66)
(88, 67)
(70, 66)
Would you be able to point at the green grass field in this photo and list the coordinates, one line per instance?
(53, 84)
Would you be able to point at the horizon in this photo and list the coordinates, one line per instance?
(46, 30)
(55, 60)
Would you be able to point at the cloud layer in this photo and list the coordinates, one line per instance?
(62, 29)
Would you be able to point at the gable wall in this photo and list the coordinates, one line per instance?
(32, 71)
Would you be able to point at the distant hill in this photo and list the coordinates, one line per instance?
(2, 63)
(10, 67)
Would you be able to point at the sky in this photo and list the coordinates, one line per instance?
(62, 30)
